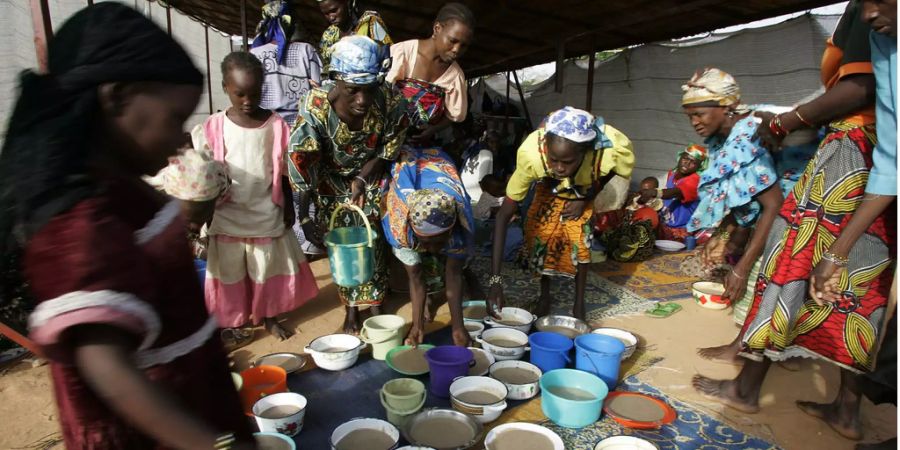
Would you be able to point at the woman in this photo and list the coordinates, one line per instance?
(426, 73)
(782, 322)
(125, 321)
(568, 159)
(345, 136)
(738, 192)
(429, 215)
(680, 196)
(345, 20)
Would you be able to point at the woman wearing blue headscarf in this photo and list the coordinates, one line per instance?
(568, 159)
(345, 136)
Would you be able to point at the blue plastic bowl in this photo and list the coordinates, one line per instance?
(570, 413)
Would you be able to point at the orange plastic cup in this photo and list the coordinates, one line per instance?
(259, 382)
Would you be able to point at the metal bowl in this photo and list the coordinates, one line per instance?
(290, 362)
(429, 414)
(556, 324)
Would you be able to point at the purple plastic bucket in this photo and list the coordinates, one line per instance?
(446, 363)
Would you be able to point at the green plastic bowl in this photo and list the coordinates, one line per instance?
(389, 358)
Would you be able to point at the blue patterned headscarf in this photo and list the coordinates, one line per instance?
(578, 126)
(275, 20)
(359, 60)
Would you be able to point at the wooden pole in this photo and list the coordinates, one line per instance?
(590, 82)
(16, 337)
(560, 61)
(169, 19)
(244, 25)
(43, 31)
(522, 99)
(90, 2)
(208, 72)
(506, 107)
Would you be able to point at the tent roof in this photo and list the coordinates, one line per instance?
(512, 34)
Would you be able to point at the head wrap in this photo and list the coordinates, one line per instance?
(431, 211)
(696, 152)
(274, 27)
(195, 176)
(44, 162)
(571, 123)
(359, 60)
(712, 86)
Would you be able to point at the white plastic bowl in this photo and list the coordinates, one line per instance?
(492, 435)
(515, 314)
(626, 337)
(487, 355)
(335, 351)
(502, 353)
(483, 413)
(362, 424)
(625, 443)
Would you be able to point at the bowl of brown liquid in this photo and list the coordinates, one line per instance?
(520, 435)
(522, 379)
(273, 441)
(516, 318)
(567, 326)
(443, 429)
(365, 434)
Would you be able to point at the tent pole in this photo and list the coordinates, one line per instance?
(244, 25)
(590, 82)
(43, 31)
(522, 98)
(208, 73)
(169, 19)
(560, 62)
(506, 107)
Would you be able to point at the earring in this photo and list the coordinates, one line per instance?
(730, 114)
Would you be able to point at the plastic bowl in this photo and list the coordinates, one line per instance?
(709, 295)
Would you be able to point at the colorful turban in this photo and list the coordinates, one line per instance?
(571, 123)
(431, 211)
(273, 27)
(195, 176)
(712, 86)
(359, 60)
(696, 152)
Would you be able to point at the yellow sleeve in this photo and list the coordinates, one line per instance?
(620, 157)
(529, 169)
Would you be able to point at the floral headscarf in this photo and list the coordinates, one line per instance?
(359, 60)
(713, 86)
(697, 153)
(195, 176)
(275, 20)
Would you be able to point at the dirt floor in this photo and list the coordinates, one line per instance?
(28, 411)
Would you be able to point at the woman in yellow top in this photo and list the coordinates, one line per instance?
(569, 159)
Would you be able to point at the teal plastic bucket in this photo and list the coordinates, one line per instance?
(350, 250)
(572, 398)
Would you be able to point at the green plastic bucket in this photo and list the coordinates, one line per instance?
(350, 250)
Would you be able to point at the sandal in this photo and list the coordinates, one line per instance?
(663, 310)
(235, 338)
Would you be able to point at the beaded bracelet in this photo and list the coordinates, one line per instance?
(837, 260)
(495, 279)
(224, 442)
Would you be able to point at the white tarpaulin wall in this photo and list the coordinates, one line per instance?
(639, 90)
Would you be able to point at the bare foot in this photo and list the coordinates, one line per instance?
(889, 444)
(351, 320)
(724, 392)
(839, 419)
(275, 329)
(727, 353)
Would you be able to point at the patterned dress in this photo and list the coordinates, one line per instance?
(783, 322)
(326, 156)
(369, 24)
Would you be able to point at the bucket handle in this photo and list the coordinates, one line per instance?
(403, 413)
(364, 336)
(359, 211)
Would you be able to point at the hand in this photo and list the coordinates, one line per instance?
(713, 253)
(495, 301)
(735, 285)
(647, 195)
(357, 192)
(311, 234)
(461, 337)
(415, 336)
(574, 209)
(290, 216)
(314, 83)
(824, 283)
(764, 133)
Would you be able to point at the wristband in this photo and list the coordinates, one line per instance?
(837, 260)
(495, 279)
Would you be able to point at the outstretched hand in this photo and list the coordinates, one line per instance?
(495, 301)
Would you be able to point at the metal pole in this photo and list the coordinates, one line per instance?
(169, 19)
(590, 82)
(522, 99)
(560, 61)
(506, 107)
(244, 25)
(90, 2)
(43, 31)
(208, 73)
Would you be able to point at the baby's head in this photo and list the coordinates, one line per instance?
(649, 183)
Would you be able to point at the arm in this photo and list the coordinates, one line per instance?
(104, 361)
(823, 283)
(454, 281)
(417, 298)
(504, 215)
(736, 282)
(290, 215)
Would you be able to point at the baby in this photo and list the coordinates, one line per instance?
(655, 204)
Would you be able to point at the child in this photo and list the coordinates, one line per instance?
(679, 198)
(647, 184)
(255, 269)
(119, 314)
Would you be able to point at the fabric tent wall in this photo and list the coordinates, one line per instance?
(639, 90)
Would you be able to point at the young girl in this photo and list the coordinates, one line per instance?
(255, 269)
(119, 314)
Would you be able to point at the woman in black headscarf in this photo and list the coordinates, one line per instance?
(118, 311)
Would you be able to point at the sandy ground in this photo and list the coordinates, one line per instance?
(28, 411)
